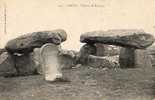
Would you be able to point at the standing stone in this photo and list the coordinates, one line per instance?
(37, 60)
(26, 43)
(85, 51)
(142, 59)
(7, 65)
(127, 58)
(151, 52)
(50, 62)
(100, 49)
(131, 58)
(25, 64)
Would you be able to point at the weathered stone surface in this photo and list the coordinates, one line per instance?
(37, 60)
(100, 49)
(2, 51)
(127, 57)
(50, 62)
(106, 50)
(17, 65)
(151, 52)
(68, 58)
(25, 64)
(127, 38)
(131, 58)
(26, 43)
(142, 59)
(152, 57)
(6, 64)
(85, 51)
(103, 62)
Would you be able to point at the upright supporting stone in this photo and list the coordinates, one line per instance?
(25, 64)
(142, 59)
(85, 51)
(100, 49)
(127, 58)
(7, 65)
(131, 58)
(36, 58)
(151, 52)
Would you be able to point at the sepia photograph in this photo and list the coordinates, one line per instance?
(77, 49)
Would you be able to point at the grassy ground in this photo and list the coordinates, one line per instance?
(86, 84)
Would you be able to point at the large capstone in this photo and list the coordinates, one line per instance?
(126, 38)
(26, 43)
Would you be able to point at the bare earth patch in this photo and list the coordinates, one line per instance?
(86, 84)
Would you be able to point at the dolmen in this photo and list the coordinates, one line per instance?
(37, 53)
(132, 42)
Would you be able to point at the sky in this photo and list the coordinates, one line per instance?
(75, 17)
